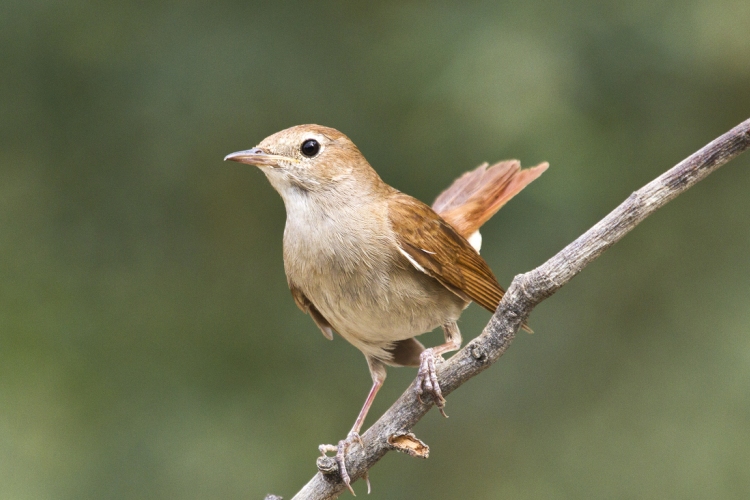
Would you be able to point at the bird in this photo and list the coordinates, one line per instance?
(375, 265)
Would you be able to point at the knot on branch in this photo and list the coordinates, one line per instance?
(478, 353)
(327, 465)
(527, 290)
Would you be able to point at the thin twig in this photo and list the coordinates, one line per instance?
(526, 291)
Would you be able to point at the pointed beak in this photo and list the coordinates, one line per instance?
(258, 157)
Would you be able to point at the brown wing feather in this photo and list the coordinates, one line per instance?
(308, 308)
(441, 252)
(477, 195)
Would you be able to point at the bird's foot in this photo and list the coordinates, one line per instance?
(340, 450)
(427, 379)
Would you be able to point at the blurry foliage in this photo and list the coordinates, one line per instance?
(149, 347)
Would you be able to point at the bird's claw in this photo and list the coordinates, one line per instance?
(367, 480)
(340, 456)
(427, 380)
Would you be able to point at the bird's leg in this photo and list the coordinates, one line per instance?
(427, 374)
(377, 370)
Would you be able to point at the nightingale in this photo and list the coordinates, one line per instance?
(375, 265)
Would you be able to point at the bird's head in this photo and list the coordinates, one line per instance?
(311, 158)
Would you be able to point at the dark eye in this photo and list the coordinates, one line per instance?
(310, 148)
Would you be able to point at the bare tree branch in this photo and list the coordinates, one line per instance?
(526, 291)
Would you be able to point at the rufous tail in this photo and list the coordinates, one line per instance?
(478, 194)
(475, 196)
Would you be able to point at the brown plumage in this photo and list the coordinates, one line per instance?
(441, 252)
(375, 265)
(477, 195)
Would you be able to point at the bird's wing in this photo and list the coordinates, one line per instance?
(433, 247)
(307, 307)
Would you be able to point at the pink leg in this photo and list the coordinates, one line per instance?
(377, 370)
(376, 385)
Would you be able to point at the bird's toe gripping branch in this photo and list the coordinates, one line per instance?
(339, 460)
(427, 382)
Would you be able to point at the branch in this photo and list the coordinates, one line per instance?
(391, 431)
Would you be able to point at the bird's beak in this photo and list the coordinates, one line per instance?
(258, 157)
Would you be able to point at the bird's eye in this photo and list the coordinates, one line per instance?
(310, 148)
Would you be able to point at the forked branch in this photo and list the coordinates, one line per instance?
(526, 291)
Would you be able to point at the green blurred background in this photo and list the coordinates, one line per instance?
(149, 347)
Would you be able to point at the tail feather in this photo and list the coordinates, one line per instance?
(477, 195)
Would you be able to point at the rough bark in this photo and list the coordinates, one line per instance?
(392, 430)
